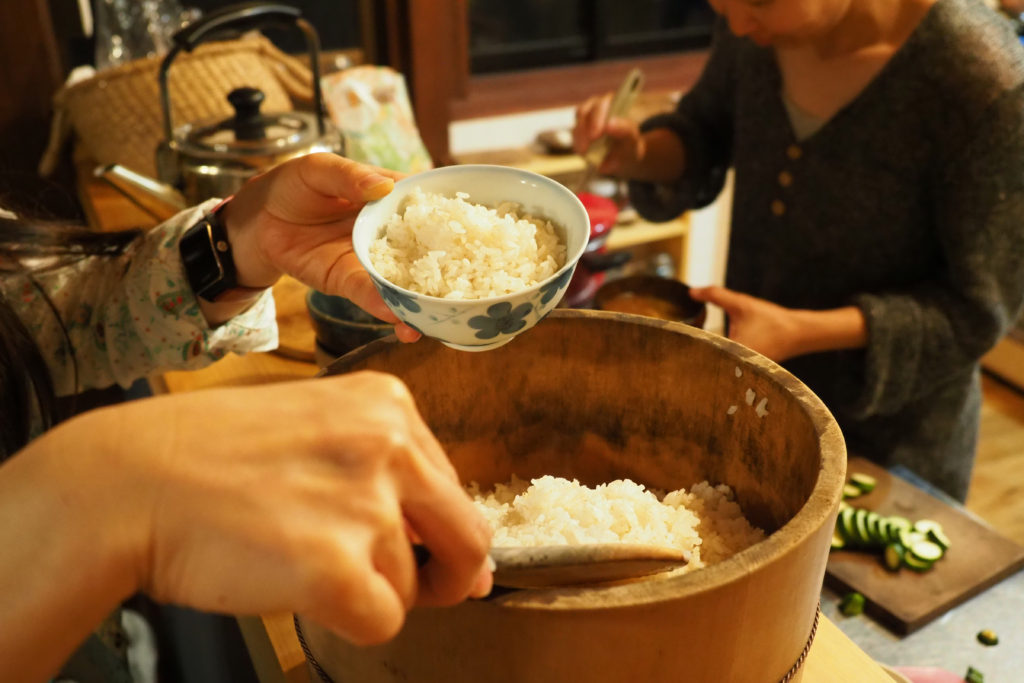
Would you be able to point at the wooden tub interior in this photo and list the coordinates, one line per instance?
(598, 396)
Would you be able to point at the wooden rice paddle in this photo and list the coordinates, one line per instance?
(552, 566)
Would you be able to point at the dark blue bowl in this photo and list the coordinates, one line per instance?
(340, 325)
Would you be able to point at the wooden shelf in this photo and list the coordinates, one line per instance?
(642, 232)
(531, 159)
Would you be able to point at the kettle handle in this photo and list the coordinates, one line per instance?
(236, 19)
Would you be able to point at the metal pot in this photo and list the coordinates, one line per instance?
(213, 158)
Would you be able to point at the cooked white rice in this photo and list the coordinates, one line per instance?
(448, 247)
(706, 521)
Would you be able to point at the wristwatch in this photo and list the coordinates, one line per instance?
(207, 258)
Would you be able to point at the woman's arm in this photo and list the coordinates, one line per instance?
(293, 497)
(923, 334)
(68, 557)
(783, 333)
(134, 314)
(690, 142)
(701, 129)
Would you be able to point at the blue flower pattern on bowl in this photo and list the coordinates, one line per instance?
(501, 318)
(552, 288)
(393, 297)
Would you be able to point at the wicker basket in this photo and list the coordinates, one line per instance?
(116, 115)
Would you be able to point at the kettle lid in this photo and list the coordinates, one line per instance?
(249, 132)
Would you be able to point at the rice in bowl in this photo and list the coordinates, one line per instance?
(450, 248)
(706, 520)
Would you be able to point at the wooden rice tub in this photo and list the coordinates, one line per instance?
(598, 396)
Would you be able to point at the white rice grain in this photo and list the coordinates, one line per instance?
(450, 248)
(706, 521)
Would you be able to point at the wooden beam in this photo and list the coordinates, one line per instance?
(438, 68)
(30, 73)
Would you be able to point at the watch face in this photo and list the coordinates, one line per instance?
(202, 262)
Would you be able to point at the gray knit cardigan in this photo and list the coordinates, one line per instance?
(908, 203)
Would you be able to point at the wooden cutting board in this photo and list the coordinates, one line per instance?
(905, 601)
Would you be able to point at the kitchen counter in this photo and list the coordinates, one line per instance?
(950, 642)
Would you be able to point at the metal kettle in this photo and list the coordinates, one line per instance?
(213, 158)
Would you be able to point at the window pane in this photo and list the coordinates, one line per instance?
(526, 33)
(641, 26)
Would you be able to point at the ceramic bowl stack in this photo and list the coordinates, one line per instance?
(341, 326)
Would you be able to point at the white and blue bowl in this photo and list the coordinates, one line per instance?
(479, 324)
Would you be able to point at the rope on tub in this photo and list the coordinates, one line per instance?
(324, 678)
(807, 648)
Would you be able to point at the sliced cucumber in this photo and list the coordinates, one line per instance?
(900, 522)
(884, 530)
(926, 525)
(893, 556)
(926, 551)
(988, 637)
(917, 545)
(851, 491)
(939, 538)
(907, 538)
(974, 676)
(913, 562)
(845, 525)
(860, 525)
(875, 528)
(852, 604)
(865, 482)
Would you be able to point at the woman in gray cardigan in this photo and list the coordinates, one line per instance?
(877, 244)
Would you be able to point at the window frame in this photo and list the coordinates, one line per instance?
(429, 44)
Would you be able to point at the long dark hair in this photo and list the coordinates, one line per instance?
(26, 387)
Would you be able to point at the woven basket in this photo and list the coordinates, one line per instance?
(116, 115)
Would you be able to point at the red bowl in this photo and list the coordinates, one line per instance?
(603, 213)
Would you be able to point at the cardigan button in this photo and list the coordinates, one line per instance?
(785, 178)
(794, 152)
(778, 207)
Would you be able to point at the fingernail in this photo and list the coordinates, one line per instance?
(491, 566)
(375, 186)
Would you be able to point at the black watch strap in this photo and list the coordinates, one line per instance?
(207, 258)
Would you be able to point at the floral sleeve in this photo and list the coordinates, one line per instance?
(130, 315)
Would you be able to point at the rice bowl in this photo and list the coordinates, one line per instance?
(451, 248)
(472, 255)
